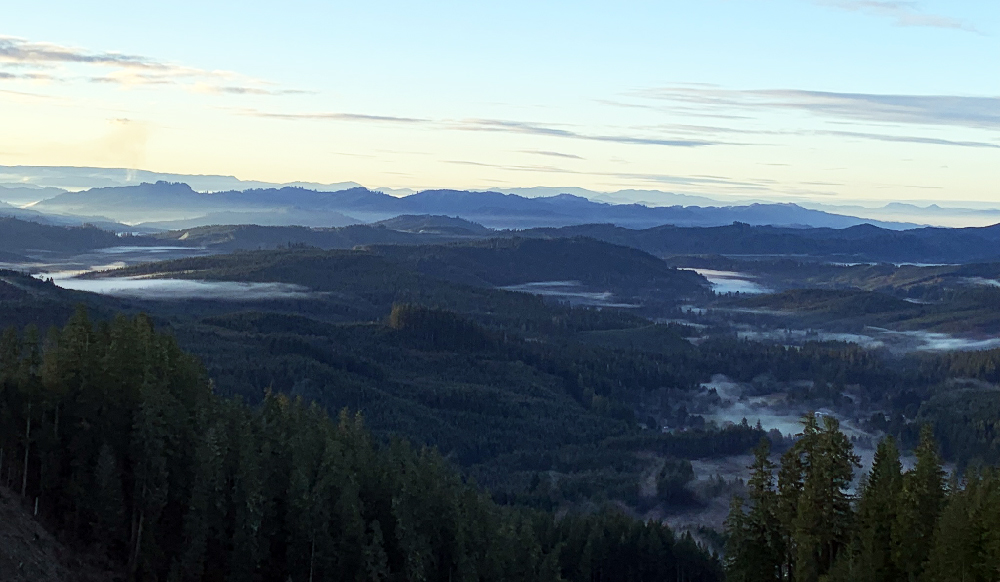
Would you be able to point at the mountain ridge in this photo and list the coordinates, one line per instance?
(177, 204)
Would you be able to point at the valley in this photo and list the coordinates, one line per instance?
(534, 361)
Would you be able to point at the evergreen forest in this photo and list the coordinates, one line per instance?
(115, 436)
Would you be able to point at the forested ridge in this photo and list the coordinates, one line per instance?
(115, 435)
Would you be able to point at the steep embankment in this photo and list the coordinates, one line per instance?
(28, 553)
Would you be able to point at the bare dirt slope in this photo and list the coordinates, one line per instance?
(28, 553)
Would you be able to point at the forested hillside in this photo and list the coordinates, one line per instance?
(115, 434)
(459, 276)
(857, 243)
(503, 262)
(965, 309)
(18, 236)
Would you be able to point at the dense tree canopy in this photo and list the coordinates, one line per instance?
(116, 435)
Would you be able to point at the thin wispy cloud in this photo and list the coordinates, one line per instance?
(761, 185)
(514, 167)
(925, 110)
(490, 125)
(910, 139)
(713, 131)
(900, 13)
(23, 52)
(545, 130)
(337, 116)
(28, 76)
(30, 96)
(41, 61)
(950, 110)
(974, 112)
(237, 90)
(552, 154)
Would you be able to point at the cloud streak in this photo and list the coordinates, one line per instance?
(545, 130)
(338, 116)
(238, 90)
(974, 112)
(948, 110)
(39, 58)
(552, 154)
(911, 139)
(492, 125)
(23, 52)
(901, 13)
(761, 185)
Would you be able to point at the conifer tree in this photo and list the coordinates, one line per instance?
(109, 500)
(876, 517)
(921, 500)
(957, 553)
(754, 550)
(814, 503)
(150, 472)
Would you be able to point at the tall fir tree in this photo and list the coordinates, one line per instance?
(921, 500)
(755, 550)
(876, 517)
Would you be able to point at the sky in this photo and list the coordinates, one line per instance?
(832, 101)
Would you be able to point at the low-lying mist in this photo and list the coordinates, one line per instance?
(572, 292)
(178, 289)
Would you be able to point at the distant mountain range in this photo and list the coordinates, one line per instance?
(21, 186)
(12, 211)
(170, 205)
(82, 178)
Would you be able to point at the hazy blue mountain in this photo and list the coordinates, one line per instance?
(28, 214)
(176, 204)
(628, 196)
(85, 177)
(975, 214)
(942, 213)
(22, 195)
(498, 210)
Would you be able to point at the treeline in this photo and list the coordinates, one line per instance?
(901, 526)
(114, 436)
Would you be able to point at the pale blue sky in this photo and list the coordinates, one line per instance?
(798, 99)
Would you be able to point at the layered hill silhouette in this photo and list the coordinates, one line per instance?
(170, 205)
(862, 243)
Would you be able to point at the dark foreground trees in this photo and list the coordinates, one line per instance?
(898, 527)
(113, 433)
